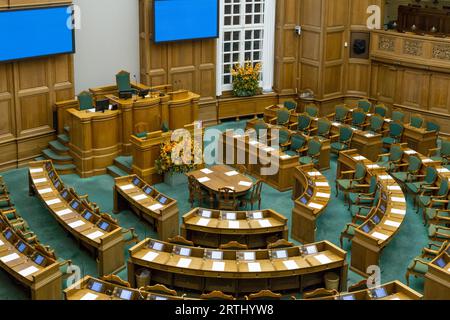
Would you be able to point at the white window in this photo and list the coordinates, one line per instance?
(247, 30)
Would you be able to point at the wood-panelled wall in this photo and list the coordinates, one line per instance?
(28, 92)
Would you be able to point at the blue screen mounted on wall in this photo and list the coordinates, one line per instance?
(36, 32)
(176, 20)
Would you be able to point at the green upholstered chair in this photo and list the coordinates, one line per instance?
(341, 113)
(284, 138)
(322, 131)
(380, 109)
(282, 118)
(123, 82)
(416, 121)
(433, 197)
(303, 124)
(375, 124)
(359, 119)
(365, 105)
(313, 153)
(398, 116)
(432, 126)
(348, 233)
(298, 144)
(357, 177)
(5, 202)
(85, 100)
(416, 187)
(261, 129)
(343, 140)
(312, 110)
(364, 198)
(394, 135)
(361, 212)
(290, 105)
(439, 215)
(391, 161)
(441, 154)
(413, 167)
(438, 233)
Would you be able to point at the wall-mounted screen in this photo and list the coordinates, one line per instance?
(35, 32)
(176, 20)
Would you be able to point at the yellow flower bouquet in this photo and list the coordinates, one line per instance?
(186, 158)
(246, 79)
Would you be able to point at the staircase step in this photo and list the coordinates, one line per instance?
(58, 159)
(116, 171)
(63, 138)
(58, 147)
(65, 168)
(125, 163)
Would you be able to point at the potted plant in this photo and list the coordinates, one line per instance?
(246, 79)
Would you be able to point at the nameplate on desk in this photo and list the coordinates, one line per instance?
(203, 222)
(44, 191)
(254, 267)
(95, 235)
(257, 215)
(369, 135)
(76, 224)
(184, 263)
(409, 152)
(359, 158)
(140, 197)
(398, 199)
(90, 110)
(322, 258)
(394, 188)
(336, 124)
(395, 298)
(314, 174)
(40, 180)
(290, 265)
(392, 223)
(1, 243)
(285, 157)
(442, 170)
(322, 184)
(203, 179)
(150, 256)
(388, 120)
(52, 201)
(206, 171)
(265, 223)
(89, 296)
(379, 235)
(398, 211)
(127, 187)
(63, 212)
(155, 207)
(315, 205)
(426, 160)
(232, 173)
(9, 258)
(323, 195)
(218, 266)
(373, 166)
(245, 183)
(28, 271)
(36, 170)
(233, 224)
(385, 177)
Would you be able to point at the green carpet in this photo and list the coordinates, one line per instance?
(405, 246)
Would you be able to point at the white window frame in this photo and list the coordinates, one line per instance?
(268, 58)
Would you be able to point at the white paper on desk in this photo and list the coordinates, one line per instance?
(314, 173)
(398, 199)
(359, 158)
(95, 235)
(385, 177)
(373, 166)
(394, 188)
(139, 197)
(336, 124)
(44, 191)
(392, 223)
(155, 207)
(89, 296)
(127, 187)
(233, 224)
(206, 214)
(257, 215)
(323, 195)
(40, 180)
(408, 152)
(245, 183)
(285, 156)
(265, 223)
(380, 236)
(150, 256)
(230, 216)
(90, 110)
(253, 142)
(322, 258)
(315, 205)
(398, 211)
(388, 120)
(290, 265)
(442, 170)
(218, 266)
(1, 243)
(269, 149)
(206, 171)
(322, 184)
(184, 263)
(52, 201)
(203, 222)
(63, 212)
(232, 173)
(76, 224)
(369, 135)
(28, 271)
(254, 267)
(203, 179)
(9, 257)
(426, 160)
(36, 170)
(395, 298)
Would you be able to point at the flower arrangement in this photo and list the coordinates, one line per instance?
(179, 156)
(246, 79)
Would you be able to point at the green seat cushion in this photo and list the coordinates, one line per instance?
(401, 176)
(437, 158)
(127, 236)
(353, 197)
(389, 140)
(351, 230)
(10, 215)
(354, 210)
(344, 183)
(338, 146)
(432, 231)
(431, 213)
(425, 200)
(290, 152)
(418, 268)
(307, 160)
(4, 203)
(414, 186)
(141, 135)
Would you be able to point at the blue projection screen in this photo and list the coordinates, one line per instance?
(176, 20)
(35, 33)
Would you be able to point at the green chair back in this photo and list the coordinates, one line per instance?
(381, 110)
(323, 127)
(123, 81)
(359, 117)
(360, 171)
(259, 126)
(396, 130)
(416, 121)
(398, 116)
(365, 105)
(290, 105)
(431, 175)
(432, 126)
(312, 110)
(445, 148)
(284, 136)
(141, 135)
(443, 188)
(304, 122)
(86, 100)
(396, 153)
(341, 113)
(414, 164)
(283, 116)
(297, 141)
(345, 133)
(373, 184)
(314, 147)
(376, 123)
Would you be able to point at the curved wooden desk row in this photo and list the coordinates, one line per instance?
(311, 195)
(437, 279)
(212, 228)
(30, 265)
(97, 232)
(237, 272)
(156, 208)
(384, 220)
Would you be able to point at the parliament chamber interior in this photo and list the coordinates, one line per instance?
(251, 150)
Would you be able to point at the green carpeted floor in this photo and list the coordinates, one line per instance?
(407, 244)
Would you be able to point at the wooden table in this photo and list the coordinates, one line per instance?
(437, 279)
(211, 228)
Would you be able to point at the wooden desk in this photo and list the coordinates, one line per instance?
(237, 272)
(107, 245)
(437, 279)
(43, 279)
(149, 204)
(211, 228)
(311, 195)
(420, 140)
(424, 19)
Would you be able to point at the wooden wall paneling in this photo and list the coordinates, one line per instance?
(439, 98)
(8, 147)
(414, 88)
(4, 3)
(26, 3)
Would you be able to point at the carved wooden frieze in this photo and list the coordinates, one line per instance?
(413, 47)
(441, 51)
(386, 44)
